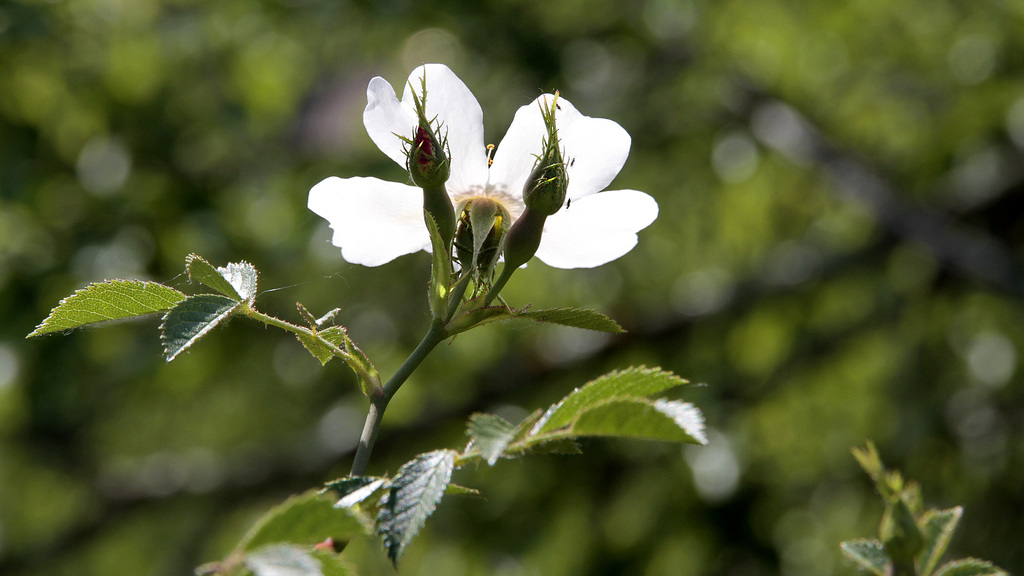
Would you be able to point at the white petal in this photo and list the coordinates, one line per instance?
(461, 121)
(374, 221)
(596, 229)
(386, 118)
(595, 148)
(453, 106)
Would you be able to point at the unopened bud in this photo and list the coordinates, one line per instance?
(481, 228)
(429, 167)
(544, 191)
(428, 164)
(543, 195)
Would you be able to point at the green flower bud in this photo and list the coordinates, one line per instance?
(481, 229)
(544, 191)
(543, 194)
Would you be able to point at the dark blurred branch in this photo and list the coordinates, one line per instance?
(972, 252)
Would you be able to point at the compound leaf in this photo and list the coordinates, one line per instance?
(110, 300)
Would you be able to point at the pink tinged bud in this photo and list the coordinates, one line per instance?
(429, 167)
(428, 164)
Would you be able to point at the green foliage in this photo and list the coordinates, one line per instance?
(110, 300)
(970, 567)
(307, 519)
(937, 527)
(571, 317)
(282, 559)
(318, 348)
(334, 341)
(640, 418)
(611, 406)
(301, 537)
(868, 555)
(193, 318)
(411, 497)
(767, 272)
(490, 435)
(440, 272)
(911, 541)
(637, 382)
(236, 280)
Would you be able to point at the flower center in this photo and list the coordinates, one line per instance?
(499, 194)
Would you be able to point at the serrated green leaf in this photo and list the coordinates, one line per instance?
(970, 567)
(354, 357)
(526, 425)
(199, 270)
(243, 277)
(316, 348)
(191, 319)
(334, 334)
(937, 527)
(868, 555)
(353, 490)
(306, 519)
(411, 499)
(574, 318)
(110, 300)
(490, 434)
(283, 560)
(635, 382)
(641, 418)
(440, 271)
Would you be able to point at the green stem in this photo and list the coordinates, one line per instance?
(295, 329)
(506, 273)
(379, 402)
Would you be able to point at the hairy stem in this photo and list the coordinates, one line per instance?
(378, 403)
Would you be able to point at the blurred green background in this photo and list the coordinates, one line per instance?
(838, 257)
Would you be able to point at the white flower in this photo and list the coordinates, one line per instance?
(375, 221)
